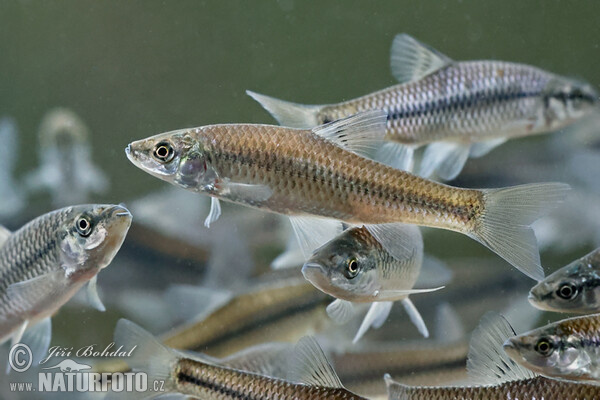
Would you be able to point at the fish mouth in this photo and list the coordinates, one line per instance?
(119, 211)
(315, 274)
(512, 350)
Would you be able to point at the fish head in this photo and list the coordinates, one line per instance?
(551, 351)
(174, 157)
(91, 235)
(567, 100)
(573, 288)
(345, 268)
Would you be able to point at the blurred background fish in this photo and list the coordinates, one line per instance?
(12, 199)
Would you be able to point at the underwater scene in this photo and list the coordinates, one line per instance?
(300, 200)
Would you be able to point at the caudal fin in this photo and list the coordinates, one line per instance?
(289, 114)
(504, 227)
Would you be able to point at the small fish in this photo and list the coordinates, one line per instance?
(355, 268)
(12, 199)
(318, 178)
(44, 263)
(567, 349)
(66, 170)
(459, 109)
(494, 375)
(309, 374)
(574, 288)
(437, 361)
(281, 305)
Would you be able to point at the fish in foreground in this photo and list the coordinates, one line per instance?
(318, 178)
(355, 268)
(494, 375)
(459, 109)
(573, 288)
(567, 349)
(66, 170)
(308, 373)
(44, 263)
(12, 200)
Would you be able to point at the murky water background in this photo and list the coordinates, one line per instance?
(132, 69)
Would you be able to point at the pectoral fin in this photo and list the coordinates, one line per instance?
(214, 213)
(396, 155)
(43, 286)
(313, 232)
(376, 316)
(340, 311)
(92, 294)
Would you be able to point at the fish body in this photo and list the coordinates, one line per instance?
(66, 170)
(573, 288)
(531, 389)
(314, 173)
(465, 108)
(494, 375)
(311, 375)
(567, 349)
(355, 267)
(43, 264)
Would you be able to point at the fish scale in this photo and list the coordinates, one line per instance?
(330, 181)
(216, 383)
(538, 388)
(474, 100)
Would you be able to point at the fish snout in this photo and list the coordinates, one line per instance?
(512, 349)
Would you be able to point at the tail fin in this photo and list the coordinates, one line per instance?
(504, 226)
(287, 113)
(148, 355)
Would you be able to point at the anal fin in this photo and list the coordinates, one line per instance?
(396, 155)
(446, 159)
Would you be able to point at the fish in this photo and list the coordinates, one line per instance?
(574, 288)
(66, 169)
(309, 374)
(437, 361)
(458, 109)
(280, 305)
(13, 199)
(355, 268)
(319, 179)
(566, 349)
(44, 263)
(494, 376)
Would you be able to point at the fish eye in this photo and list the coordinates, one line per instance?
(544, 347)
(567, 291)
(164, 152)
(83, 225)
(352, 268)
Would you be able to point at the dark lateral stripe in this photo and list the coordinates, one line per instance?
(451, 104)
(269, 319)
(402, 371)
(184, 378)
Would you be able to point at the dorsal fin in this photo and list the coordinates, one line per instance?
(412, 60)
(487, 363)
(310, 366)
(4, 235)
(360, 133)
(269, 359)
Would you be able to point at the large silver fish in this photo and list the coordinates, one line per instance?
(457, 108)
(317, 177)
(43, 264)
(567, 349)
(573, 288)
(355, 268)
(308, 373)
(495, 376)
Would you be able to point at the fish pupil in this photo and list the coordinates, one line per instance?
(567, 291)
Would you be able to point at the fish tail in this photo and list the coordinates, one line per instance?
(396, 390)
(289, 114)
(148, 355)
(504, 225)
